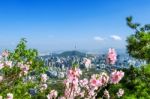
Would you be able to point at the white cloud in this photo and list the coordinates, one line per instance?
(97, 38)
(116, 37)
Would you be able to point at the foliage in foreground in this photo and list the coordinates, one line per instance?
(20, 72)
(139, 42)
(135, 83)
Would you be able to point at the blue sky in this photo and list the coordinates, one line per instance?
(52, 25)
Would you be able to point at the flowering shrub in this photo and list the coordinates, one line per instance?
(20, 73)
(111, 56)
(87, 89)
(116, 76)
(135, 83)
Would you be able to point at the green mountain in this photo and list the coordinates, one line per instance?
(72, 53)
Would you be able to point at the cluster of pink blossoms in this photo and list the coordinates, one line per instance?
(44, 78)
(120, 93)
(111, 56)
(1, 78)
(52, 95)
(24, 68)
(43, 85)
(5, 64)
(87, 88)
(5, 53)
(9, 96)
(116, 76)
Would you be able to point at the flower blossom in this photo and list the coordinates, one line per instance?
(99, 80)
(20, 64)
(120, 93)
(1, 65)
(87, 89)
(1, 78)
(116, 76)
(5, 53)
(9, 96)
(24, 68)
(43, 87)
(72, 76)
(112, 56)
(74, 72)
(8, 63)
(52, 95)
(43, 77)
(106, 94)
(72, 83)
(104, 78)
(94, 82)
(67, 92)
(84, 82)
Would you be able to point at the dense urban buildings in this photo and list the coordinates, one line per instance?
(58, 64)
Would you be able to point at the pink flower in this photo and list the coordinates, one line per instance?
(104, 78)
(1, 78)
(24, 68)
(52, 94)
(72, 77)
(1, 65)
(82, 94)
(94, 82)
(67, 92)
(20, 64)
(120, 93)
(78, 72)
(5, 53)
(66, 82)
(91, 93)
(1, 97)
(9, 96)
(75, 81)
(74, 72)
(43, 77)
(106, 94)
(43, 87)
(112, 56)
(77, 91)
(8, 63)
(72, 83)
(84, 82)
(116, 76)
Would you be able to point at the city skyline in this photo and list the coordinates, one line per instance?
(62, 24)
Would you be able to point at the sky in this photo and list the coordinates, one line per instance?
(53, 25)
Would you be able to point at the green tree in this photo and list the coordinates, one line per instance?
(138, 44)
(14, 81)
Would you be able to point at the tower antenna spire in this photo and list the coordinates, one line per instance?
(75, 46)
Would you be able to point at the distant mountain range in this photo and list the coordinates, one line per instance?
(81, 53)
(67, 53)
(72, 53)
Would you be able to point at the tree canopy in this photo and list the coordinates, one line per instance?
(138, 43)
